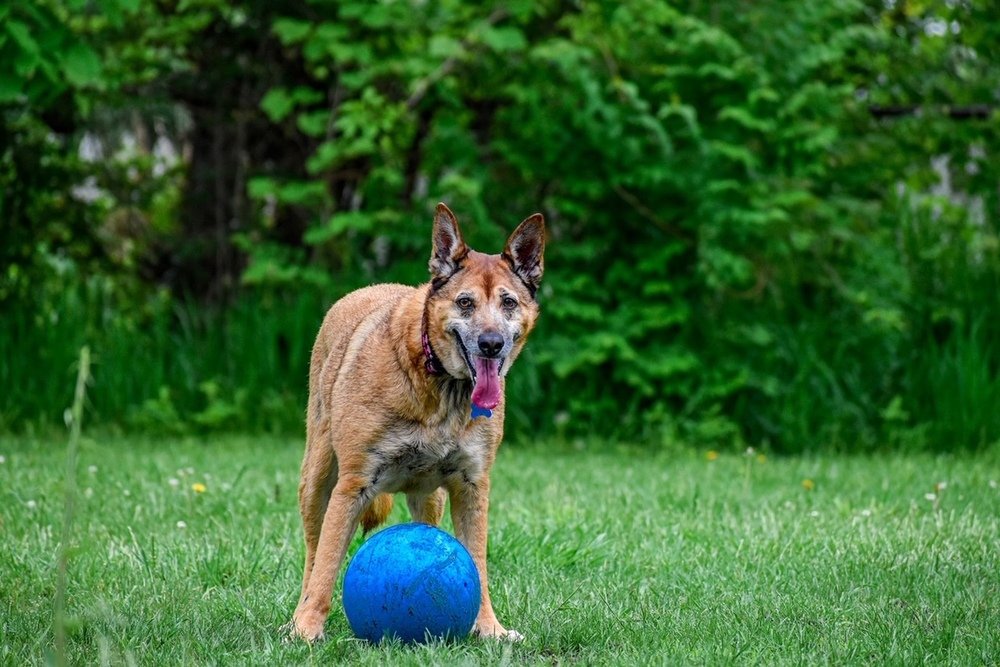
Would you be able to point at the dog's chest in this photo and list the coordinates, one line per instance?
(418, 460)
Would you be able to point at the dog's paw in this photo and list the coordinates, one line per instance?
(496, 631)
(308, 627)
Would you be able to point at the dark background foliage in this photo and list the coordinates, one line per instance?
(771, 223)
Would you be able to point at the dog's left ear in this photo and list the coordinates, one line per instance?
(524, 251)
(448, 248)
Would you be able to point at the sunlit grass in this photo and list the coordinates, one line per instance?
(189, 552)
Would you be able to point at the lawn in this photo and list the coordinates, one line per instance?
(188, 551)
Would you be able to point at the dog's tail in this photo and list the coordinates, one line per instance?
(377, 512)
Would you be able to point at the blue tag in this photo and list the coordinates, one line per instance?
(481, 412)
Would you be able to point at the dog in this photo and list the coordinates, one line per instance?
(406, 395)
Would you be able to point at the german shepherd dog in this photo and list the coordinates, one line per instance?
(406, 394)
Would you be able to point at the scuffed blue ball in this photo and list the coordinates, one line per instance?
(414, 582)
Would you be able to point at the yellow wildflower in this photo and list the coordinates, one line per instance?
(198, 488)
(808, 484)
(712, 455)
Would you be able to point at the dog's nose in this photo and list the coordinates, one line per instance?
(490, 344)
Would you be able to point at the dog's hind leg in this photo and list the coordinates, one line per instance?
(427, 508)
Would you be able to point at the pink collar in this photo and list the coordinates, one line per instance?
(432, 364)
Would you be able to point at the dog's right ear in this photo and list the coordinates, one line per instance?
(449, 249)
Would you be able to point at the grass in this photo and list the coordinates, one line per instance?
(614, 556)
(240, 367)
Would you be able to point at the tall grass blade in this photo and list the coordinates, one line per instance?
(74, 418)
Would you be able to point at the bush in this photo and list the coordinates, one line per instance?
(770, 224)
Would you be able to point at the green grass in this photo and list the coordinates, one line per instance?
(241, 367)
(598, 557)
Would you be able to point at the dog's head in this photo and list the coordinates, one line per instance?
(481, 307)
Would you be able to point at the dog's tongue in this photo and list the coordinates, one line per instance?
(486, 392)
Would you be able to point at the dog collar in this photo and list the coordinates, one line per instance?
(432, 364)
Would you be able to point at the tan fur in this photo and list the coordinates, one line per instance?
(379, 423)
(377, 512)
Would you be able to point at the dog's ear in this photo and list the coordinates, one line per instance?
(524, 251)
(448, 249)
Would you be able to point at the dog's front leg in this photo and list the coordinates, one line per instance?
(469, 509)
(343, 513)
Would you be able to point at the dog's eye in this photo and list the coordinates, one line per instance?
(510, 303)
(464, 302)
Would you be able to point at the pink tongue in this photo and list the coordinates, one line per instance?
(486, 392)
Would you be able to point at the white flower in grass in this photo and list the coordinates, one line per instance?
(127, 492)
(993, 482)
(181, 524)
(31, 504)
(89, 493)
(866, 512)
(3, 460)
(92, 470)
(173, 481)
(814, 513)
(930, 496)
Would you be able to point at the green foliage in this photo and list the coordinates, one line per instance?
(173, 367)
(46, 57)
(50, 76)
(754, 236)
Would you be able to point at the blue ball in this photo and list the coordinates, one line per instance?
(414, 582)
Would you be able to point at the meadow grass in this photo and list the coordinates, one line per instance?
(188, 551)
